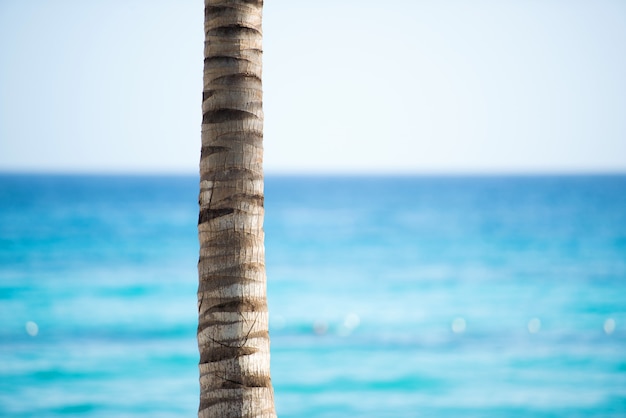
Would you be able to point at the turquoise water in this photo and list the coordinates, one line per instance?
(389, 297)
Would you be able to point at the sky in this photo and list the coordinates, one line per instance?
(350, 86)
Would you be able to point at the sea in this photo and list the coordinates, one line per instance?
(408, 296)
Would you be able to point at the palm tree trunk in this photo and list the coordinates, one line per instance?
(233, 334)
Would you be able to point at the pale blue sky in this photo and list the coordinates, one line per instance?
(350, 86)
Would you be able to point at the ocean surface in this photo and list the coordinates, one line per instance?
(388, 296)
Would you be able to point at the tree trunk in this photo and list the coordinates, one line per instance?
(233, 334)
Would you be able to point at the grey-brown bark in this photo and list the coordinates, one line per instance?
(233, 334)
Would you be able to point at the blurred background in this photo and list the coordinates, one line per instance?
(445, 207)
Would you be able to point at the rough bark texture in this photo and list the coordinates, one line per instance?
(232, 310)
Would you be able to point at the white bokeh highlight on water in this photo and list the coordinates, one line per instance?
(534, 325)
(350, 322)
(32, 328)
(320, 327)
(459, 325)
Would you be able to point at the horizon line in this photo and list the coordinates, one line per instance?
(359, 173)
